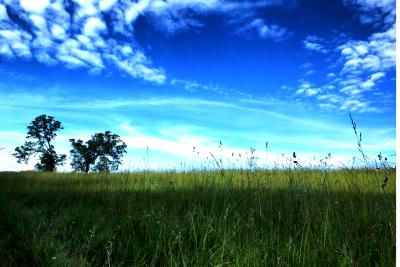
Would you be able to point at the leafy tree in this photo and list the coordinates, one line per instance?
(42, 130)
(83, 155)
(103, 153)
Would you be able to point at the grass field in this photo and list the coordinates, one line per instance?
(290, 217)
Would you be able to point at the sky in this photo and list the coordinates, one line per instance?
(180, 79)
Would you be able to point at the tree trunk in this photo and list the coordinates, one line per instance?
(87, 165)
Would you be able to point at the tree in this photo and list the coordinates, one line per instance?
(83, 155)
(103, 153)
(42, 130)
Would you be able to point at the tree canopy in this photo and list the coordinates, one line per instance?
(41, 132)
(103, 153)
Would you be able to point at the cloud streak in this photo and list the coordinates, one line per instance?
(264, 31)
(314, 43)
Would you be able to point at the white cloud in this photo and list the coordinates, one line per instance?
(90, 57)
(127, 50)
(312, 46)
(265, 31)
(332, 98)
(57, 41)
(105, 5)
(135, 9)
(3, 13)
(39, 22)
(377, 76)
(357, 105)
(18, 41)
(149, 74)
(42, 42)
(307, 65)
(93, 26)
(361, 49)
(327, 106)
(58, 32)
(314, 43)
(135, 65)
(370, 83)
(329, 87)
(5, 50)
(309, 72)
(351, 90)
(311, 92)
(375, 11)
(79, 36)
(191, 86)
(179, 15)
(86, 42)
(86, 8)
(72, 55)
(307, 89)
(194, 86)
(37, 6)
(71, 62)
(376, 54)
(10, 35)
(361, 66)
(347, 51)
(45, 58)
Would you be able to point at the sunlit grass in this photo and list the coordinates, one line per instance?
(294, 217)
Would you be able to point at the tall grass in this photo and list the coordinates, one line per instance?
(292, 217)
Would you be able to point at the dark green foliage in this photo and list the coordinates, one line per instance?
(49, 160)
(83, 155)
(43, 129)
(102, 153)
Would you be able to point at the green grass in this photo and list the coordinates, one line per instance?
(240, 218)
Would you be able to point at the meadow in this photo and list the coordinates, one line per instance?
(276, 217)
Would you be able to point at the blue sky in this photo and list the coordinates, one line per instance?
(173, 75)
